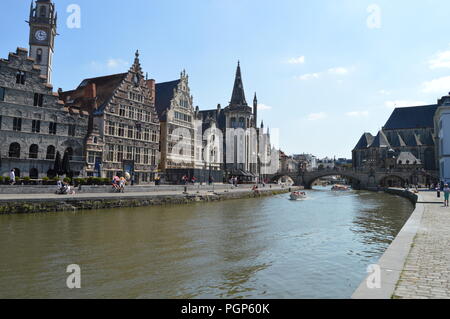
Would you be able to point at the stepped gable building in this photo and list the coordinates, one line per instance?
(34, 124)
(406, 141)
(174, 104)
(124, 128)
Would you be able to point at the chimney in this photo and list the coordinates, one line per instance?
(90, 91)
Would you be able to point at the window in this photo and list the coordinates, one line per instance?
(122, 110)
(17, 124)
(129, 153)
(130, 132)
(69, 152)
(39, 56)
(20, 77)
(110, 153)
(34, 173)
(43, 12)
(147, 134)
(137, 155)
(34, 150)
(38, 99)
(52, 128)
(14, 150)
(36, 126)
(120, 153)
(111, 128)
(153, 157)
(91, 158)
(0, 122)
(2, 94)
(72, 129)
(121, 130)
(51, 150)
(146, 156)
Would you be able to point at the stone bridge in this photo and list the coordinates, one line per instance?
(363, 179)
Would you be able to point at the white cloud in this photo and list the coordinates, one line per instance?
(109, 65)
(384, 92)
(263, 107)
(440, 60)
(116, 63)
(440, 85)
(317, 116)
(403, 103)
(338, 71)
(308, 76)
(299, 60)
(358, 114)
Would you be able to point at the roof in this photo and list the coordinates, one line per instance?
(365, 141)
(412, 117)
(164, 96)
(380, 140)
(406, 158)
(105, 87)
(238, 96)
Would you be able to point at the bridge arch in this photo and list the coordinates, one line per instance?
(392, 180)
(309, 179)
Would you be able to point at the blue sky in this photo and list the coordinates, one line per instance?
(324, 71)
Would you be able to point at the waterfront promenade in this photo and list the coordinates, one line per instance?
(417, 264)
(426, 273)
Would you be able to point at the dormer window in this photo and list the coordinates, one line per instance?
(20, 77)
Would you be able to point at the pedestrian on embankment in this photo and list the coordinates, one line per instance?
(446, 195)
(12, 177)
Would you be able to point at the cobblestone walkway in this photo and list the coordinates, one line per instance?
(426, 274)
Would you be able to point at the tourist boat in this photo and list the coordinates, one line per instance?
(340, 188)
(298, 195)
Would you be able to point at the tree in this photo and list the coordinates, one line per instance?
(65, 168)
(57, 166)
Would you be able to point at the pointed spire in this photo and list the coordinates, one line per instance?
(262, 124)
(238, 97)
(255, 99)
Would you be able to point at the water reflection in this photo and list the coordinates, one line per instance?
(267, 248)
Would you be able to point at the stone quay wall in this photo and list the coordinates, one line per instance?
(392, 263)
(61, 204)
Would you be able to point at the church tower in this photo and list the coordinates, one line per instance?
(43, 18)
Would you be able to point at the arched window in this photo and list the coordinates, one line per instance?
(14, 150)
(34, 150)
(51, 151)
(43, 12)
(20, 77)
(39, 55)
(69, 152)
(34, 174)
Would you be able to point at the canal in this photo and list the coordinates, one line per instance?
(255, 248)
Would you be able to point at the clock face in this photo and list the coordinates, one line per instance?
(40, 35)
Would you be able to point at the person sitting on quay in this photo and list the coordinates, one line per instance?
(193, 180)
(255, 189)
(122, 184)
(115, 183)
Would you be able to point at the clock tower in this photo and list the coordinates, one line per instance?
(42, 23)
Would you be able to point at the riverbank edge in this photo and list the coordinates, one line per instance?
(393, 260)
(33, 206)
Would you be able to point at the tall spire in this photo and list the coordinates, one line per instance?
(238, 97)
(255, 110)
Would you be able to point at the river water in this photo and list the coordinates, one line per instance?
(253, 248)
